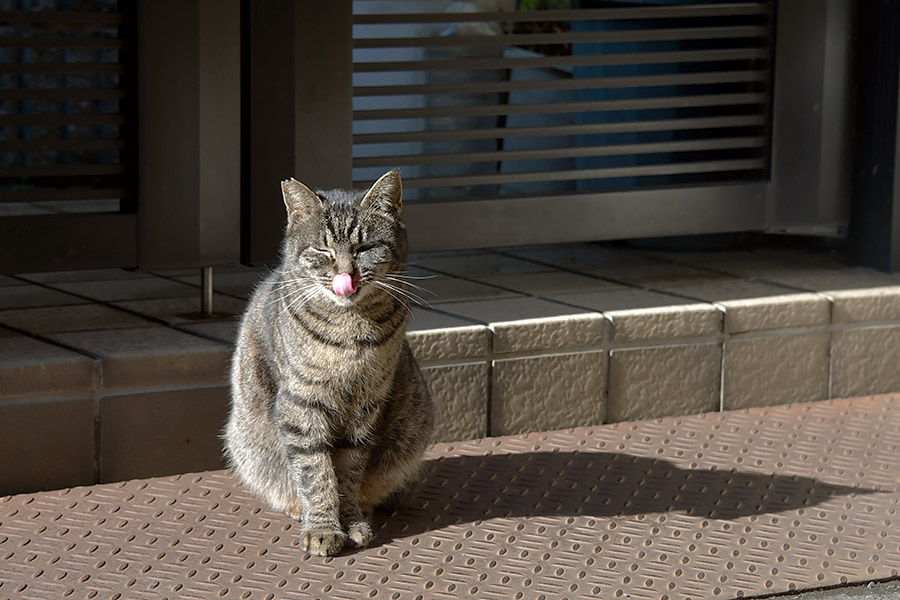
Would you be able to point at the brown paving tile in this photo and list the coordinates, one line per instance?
(152, 357)
(423, 319)
(183, 310)
(580, 257)
(619, 298)
(144, 288)
(162, 433)
(509, 309)
(476, 264)
(441, 289)
(651, 273)
(649, 383)
(548, 392)
(30, 368)
(460, 396)
(236, 282)
(27, 296)
(78, 317)
(720, 289)
(864, 361)
(775, 370)
(220, 330)
(46, 444)
(6, 280)
(547, 283)
(665, 323)
(89, 275)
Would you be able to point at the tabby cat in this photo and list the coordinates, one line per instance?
(330, 415)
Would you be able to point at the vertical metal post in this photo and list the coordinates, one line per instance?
(206, 291)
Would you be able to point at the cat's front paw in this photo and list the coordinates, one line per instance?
(322, 542)
(360, 533)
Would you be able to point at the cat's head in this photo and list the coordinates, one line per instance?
(345, 244)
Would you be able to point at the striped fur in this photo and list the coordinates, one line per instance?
(330, 415)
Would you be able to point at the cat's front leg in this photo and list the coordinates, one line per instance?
(350, 467)
(306, 438)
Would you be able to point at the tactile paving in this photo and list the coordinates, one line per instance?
(739, 504)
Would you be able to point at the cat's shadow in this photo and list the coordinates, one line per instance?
(468, 489)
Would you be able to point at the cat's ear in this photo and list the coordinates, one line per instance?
(300, 201)
(386, 193)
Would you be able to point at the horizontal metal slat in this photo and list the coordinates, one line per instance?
(586, 83)
(564, 107)
(564, 152)
(44, 42)
(71, 68)
(56, 119)
(578, 217)
(63, 17)
(65, 145)
(509, 132)
(61, 170)
(66, 93)
(600, 173)
(590, 60)
(595, 14)
(530, 39)
(57, 195)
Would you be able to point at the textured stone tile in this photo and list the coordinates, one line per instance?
(776, 312)
(587, 256)
(33, 369)
(720, 289)
(548, 392)
(89, 275)
(442, 289)
(511, 309)
(552, 333)
(865, 305)
(162, 433)
(28, 296)
(460, 396)
(666, 323)
(865, 361)
(234, 281)
(152, 358)
(5, 280)
(649, 383)
(144, 288)
(423, 319)
(183, 310)
(551, 282)
(225, 331)
(77, 317)
(739, 263)
(475, 264)
(825, 279)
(432, 345)
(619, 298)
(46, 445)
(775, 370)
(656, 274)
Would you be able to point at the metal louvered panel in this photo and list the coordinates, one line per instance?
(66, 99)
(499, 105)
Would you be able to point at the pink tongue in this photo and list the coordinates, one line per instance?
(343, 284)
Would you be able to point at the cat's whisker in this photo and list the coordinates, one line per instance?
(405, 276)
(415, 298)
(412, 285)
(393, 295)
